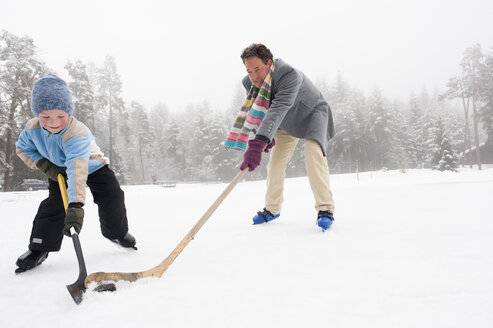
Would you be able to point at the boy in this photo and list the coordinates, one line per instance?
(55, 142)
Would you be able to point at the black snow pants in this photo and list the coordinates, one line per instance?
(47, 231)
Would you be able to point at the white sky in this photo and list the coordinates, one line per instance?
(185, 52)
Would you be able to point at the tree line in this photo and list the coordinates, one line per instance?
(153, 145)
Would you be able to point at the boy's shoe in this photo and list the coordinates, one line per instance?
(127, 241)
(325, 219)
(29, 260)
(264, 216)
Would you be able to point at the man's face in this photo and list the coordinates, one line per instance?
(257, 70)
(54, 120)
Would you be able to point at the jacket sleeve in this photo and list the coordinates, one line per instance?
(77, 151)
(26, 149)
(285, 89)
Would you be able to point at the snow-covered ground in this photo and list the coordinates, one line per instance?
(406, 250)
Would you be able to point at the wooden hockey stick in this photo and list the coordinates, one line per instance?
(158, 270)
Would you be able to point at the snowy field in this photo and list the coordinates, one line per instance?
(406, 250)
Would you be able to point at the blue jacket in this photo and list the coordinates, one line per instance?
(73, 148)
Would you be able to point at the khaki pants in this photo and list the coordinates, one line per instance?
(316, 167)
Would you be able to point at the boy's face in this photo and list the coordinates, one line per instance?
(257, 70)
(54, 120)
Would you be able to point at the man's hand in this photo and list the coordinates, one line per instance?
(51, 170)
(253, 155)
(269, 146)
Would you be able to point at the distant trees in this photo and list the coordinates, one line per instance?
(348, 107)
(110, 100)
(485, 111)
(145, 145)
(140, 143)
(82, 93)
(375, 134)
(474, 87)
(383, 144)
(443, 156)
(378, 134)
(415, 138)
(19, 68)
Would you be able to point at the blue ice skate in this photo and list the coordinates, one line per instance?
(325, 219)
(264, 216)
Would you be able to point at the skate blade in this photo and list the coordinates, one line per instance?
(20, 270)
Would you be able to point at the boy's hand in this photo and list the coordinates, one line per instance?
(73, 218)
(51, 170)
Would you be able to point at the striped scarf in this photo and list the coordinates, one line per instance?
(251, 114)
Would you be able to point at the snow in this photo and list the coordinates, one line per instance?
(407, 249)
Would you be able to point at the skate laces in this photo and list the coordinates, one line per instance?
(325, 214)
(265, 214)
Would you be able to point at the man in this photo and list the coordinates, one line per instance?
(290, 108)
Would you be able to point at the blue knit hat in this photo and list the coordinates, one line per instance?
(51, 92)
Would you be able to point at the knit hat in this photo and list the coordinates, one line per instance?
(51, 92)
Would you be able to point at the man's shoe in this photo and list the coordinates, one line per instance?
(325, 219)
(30, 259)
(264, 216)
(127, 241)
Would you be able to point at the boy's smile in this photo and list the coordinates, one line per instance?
(54, 120)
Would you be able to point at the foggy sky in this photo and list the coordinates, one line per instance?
(186, 52)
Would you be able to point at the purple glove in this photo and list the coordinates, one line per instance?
(269, 146)
(253, 155)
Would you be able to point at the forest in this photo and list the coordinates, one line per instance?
(436, 129)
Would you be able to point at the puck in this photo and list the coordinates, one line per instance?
(105, 288)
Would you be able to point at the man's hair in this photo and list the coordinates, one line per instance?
(257, 50)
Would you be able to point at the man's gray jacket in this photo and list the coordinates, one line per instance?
(297, 107)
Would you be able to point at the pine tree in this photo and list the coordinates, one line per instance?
(349, 143)
(346, 132)
(486, 97)
(141, 142)
(427, 133)
(400, 155)
(456, 88)
(198, 151)
(174, 167)
(471, 65)
(159, 119)
(109, 97)
(19, 68)
(414, 142)
(82, 93)
(213, 137)
(444, 157)
(381, 132)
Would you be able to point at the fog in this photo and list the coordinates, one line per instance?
(187, 52)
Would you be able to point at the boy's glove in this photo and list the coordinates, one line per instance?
(73, 218)
(253, 155)
(51, 170)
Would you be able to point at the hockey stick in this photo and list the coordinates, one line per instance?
(158, 270)
(77, 289)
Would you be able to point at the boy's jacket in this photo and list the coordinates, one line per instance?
(73, 148)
